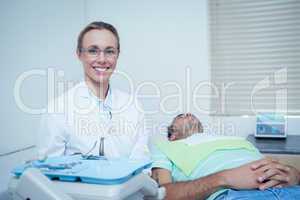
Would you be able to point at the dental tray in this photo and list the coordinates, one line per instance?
(95, 170)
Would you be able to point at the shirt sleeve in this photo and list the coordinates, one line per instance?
(140, 149)
(160, 160)
(51, 137)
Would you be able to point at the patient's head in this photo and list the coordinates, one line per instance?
(184, 125)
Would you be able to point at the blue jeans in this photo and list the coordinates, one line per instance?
(286, 193)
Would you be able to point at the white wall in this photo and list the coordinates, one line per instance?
(162, 42)
(159, 39)
(34, 35)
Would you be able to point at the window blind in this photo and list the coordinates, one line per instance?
(255, 56)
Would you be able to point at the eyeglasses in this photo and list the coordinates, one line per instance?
(94, 52)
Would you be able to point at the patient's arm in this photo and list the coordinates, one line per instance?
(196, 189)
(243, 177)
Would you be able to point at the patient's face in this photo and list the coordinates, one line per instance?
(184, 126)
(181, 127)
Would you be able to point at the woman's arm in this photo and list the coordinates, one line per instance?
(51, 138)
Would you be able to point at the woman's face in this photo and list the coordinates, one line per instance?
(99, 55)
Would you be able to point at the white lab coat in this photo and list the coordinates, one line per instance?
(74, 124)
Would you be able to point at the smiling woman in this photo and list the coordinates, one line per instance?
(98, 50)
(96, 115)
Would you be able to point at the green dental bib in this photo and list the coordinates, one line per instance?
(187, 157)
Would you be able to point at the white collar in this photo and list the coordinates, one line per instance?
(86, 93)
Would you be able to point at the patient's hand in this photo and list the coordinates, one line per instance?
(293, 176)
(243, 177)
(275, 174)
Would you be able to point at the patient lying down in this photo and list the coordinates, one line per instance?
(202, 166)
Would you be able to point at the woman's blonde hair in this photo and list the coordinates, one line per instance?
(98, 26)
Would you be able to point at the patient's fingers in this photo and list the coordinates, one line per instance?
(281, 185)
(283, 168)
(274, 165)
(283, 178)
(260, 163)
(270, 173)
(268, 184)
